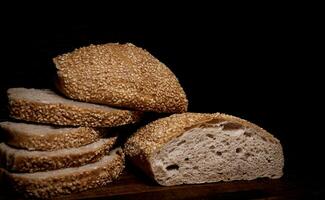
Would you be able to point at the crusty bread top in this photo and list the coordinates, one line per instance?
(153, 136)
(120, 75)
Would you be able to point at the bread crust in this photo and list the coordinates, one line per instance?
(17, 160)
(66, 114)
(142, 146)
(60, 182)
(68, 138)
(121, 75)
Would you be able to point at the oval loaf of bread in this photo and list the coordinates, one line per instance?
(121, 75)
(194, 148)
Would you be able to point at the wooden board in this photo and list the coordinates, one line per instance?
(131, 186)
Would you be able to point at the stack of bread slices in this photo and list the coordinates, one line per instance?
(69, 150)
(63, 140)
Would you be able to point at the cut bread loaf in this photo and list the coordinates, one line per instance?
(21, 160)
(194, 148)
(69, 180)
(45, 106)
(121, 75)
(47, 138)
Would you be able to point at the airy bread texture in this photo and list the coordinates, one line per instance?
(69, 180)
(194, 148)
(121, 75)
(48, 138)
(44, 106)
(20, 160)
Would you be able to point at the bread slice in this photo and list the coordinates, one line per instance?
(20, 160)
(195, 148)
(48, 138)
(69, 180)
(121, 75)
(44, 106)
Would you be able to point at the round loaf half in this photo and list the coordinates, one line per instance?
(193, 148)
(121, 75)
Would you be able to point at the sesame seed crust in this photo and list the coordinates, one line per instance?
(66, 113)
(19, 160)
(51, 138)
(121, 75)
(148, 140)
(70, 180)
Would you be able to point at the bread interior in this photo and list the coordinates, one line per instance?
(222, 151)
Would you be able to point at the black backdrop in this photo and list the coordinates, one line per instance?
(261, 67)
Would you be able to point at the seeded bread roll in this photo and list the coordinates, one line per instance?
(48, 138)
(69, 180)
(121, 75)
(20, 160)
(44, 106)
(195, 148)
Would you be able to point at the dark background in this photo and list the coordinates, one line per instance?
(260, 66)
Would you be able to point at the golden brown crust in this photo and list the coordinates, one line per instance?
(72, 138)
(64, 114)
(121, 75)
(76, 181)
(152, 137)
(17, 160)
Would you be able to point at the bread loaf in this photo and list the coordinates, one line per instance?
(195, 148)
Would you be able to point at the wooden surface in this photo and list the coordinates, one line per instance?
(131, 186)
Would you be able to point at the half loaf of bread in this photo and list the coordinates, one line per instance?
(195, 148)
(21, 160)
(45, 106)
(69, 180)
(121, 75)
(46, 137)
